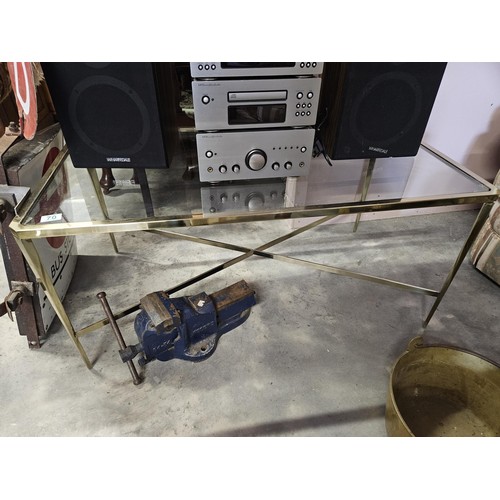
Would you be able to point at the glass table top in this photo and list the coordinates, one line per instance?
(427, 179)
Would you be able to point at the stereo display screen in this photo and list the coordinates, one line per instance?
(256, 113)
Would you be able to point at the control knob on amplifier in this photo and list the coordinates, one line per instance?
(256, 159)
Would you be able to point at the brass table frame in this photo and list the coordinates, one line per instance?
(25, 233)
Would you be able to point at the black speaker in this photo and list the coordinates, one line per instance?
(376, 110)
(115, 114)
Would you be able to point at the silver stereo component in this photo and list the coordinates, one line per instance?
(243, 198)
(254, 154)
(253, 69)
(264, 103)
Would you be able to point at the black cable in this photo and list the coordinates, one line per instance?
(319, 147)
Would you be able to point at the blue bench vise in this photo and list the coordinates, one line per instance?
(187, 327)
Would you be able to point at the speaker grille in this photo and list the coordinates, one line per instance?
(386, 109)
(116, 114)
(125, 130)
(377, 110)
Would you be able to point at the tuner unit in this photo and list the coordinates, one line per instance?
(254, 154)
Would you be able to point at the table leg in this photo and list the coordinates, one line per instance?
(140, 174)
(476, 228)
(366, 180)
(102, 202)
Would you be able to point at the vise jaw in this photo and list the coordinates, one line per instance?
(188, 327)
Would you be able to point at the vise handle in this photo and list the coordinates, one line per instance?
(118, 335)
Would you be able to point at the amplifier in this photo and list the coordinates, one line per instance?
(254, 154)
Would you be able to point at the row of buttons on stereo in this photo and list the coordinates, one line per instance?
(207, 66)
(236, 168)
(300, 95)
(308, 65)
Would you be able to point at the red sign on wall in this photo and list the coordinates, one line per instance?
(23, 84)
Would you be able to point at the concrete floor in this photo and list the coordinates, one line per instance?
(313, 358)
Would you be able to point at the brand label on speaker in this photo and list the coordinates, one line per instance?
(378, 150)
(118, 160)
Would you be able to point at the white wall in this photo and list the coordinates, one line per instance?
(465, 120)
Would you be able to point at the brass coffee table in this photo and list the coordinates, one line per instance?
(175, 198)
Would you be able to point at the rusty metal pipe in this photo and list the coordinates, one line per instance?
(114, 325)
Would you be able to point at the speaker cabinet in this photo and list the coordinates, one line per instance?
(119, 115)
(376, 110)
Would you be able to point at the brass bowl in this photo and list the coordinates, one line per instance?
(443, 391)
